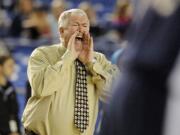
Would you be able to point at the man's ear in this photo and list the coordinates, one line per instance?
(61, 31)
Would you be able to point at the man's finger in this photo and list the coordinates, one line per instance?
(87, 41)
(91, 43)
(86, 37)
(72, 39)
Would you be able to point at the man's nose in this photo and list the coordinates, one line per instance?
(80, 29)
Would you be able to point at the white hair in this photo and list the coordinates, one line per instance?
(64, 17)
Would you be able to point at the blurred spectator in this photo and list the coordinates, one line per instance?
(3, 49)
(24, 9)
(38, 21)
(57, 7)
(9, 123)
(4, 23)
(95, 28)
(122, 16)
(91, 13)
(8, 5)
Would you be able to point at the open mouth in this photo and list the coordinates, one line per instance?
(79, 38)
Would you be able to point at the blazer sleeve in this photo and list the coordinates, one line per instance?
(44, 78)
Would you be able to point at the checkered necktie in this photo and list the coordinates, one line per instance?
(81, 112)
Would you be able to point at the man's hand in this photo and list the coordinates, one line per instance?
(86, 55)
(71, 45)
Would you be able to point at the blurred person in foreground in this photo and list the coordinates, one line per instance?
(67, 80)
(138, 105)
(9, 124)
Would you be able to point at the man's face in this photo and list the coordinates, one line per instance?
(80, 23)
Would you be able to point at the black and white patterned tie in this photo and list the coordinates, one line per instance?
(81, 112)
